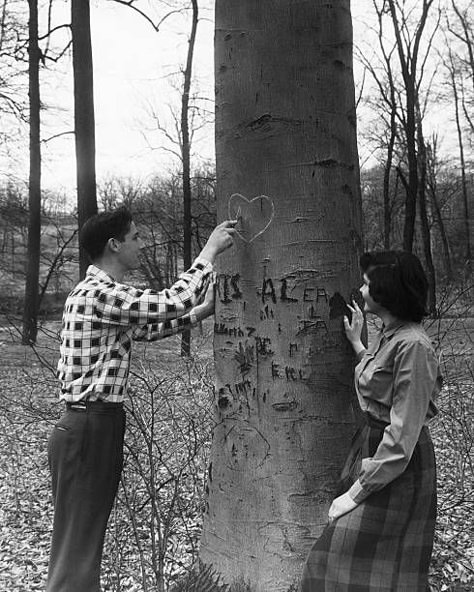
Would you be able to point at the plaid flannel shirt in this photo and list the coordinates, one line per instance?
(101, 318)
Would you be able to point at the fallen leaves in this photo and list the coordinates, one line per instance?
(163, 544)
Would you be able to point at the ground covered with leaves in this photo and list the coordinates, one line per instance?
(154, 529)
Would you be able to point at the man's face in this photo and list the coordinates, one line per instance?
(129, 248)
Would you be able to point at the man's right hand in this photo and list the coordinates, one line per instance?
(222, 237)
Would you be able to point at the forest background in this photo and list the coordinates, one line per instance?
(414, 68)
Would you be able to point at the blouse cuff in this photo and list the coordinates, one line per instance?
(357, 493)
(361, 354)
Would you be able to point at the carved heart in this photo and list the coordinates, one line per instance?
(254, 216)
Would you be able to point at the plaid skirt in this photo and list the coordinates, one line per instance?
(385, 543)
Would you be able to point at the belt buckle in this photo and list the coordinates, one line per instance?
(79, 405)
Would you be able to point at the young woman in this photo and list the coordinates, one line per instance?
(381, 526)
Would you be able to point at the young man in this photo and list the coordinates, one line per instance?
(101, 318)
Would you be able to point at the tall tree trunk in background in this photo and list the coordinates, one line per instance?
(411, 188)
(186, 154)
(387, 105)
(432, 189)
(84, 123)
(444, 237)
(287, 168)
(387, 206)
(408, 37)
(411, 183)
(425, 225)
(466, 36)
(464, 185)
(30, 309)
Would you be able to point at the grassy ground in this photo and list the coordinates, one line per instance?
(28, 409)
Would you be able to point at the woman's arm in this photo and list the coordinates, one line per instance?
(414, 377)
(415, 374)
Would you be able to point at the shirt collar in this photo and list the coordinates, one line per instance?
(393, 327)
(100, 274)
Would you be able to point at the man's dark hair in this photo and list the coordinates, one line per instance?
(397, 282)
(98, 229)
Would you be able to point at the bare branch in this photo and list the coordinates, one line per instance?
(142, 13)
(53, 30)
(46, 140)
(60, 55)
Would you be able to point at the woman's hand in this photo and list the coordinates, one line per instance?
(340, 506)
(354, 328)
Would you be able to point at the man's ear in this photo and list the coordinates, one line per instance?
(114, 245)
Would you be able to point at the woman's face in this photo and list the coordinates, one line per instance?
(369, 303)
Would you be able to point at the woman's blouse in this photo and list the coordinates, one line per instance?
(397, 381)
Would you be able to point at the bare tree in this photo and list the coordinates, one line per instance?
(432, 187)
(287, 169)
(388, 112)
(455, 71)
(186, 159)
(424, 216)
(408, 41)
(462, 28)
(84, 120)
(30, 309)
(401, 98)
(13, 57)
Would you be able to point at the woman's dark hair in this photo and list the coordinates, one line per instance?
(98, 229)
(397, 282)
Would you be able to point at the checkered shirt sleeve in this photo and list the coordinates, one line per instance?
(101, 318)
(155, 331)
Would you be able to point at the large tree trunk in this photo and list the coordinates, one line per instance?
(30, 308)
(84, 123)
(287, 168)
(186, 153)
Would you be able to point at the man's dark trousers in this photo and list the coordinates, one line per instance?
(85, 459)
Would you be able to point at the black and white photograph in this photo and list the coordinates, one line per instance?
(236, 296)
